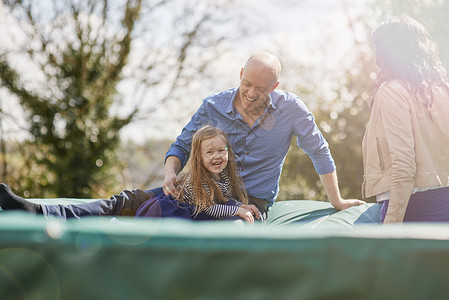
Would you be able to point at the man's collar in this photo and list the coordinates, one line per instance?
(271, 101)
(231, 108)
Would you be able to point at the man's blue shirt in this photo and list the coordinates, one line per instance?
(261, 149)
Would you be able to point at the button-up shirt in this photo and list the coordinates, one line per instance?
(261, 149)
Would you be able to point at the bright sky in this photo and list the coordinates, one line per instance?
(291, 29)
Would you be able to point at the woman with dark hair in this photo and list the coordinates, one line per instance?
(406, 143)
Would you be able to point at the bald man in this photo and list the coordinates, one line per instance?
(260, 122)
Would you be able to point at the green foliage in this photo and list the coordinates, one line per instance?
(69, 63)
(78, 54)
(73, 136)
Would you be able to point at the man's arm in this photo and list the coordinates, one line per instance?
(172, 167)
(312, 141)
(330, 184)
(179, 151)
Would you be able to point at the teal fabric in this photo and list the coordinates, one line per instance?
(312, 214)
(318, 214)
(306, 250)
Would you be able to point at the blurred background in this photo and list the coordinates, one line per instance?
(92, 92)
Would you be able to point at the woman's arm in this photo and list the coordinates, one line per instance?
(395, 114)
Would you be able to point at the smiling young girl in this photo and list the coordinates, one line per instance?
(211, 188)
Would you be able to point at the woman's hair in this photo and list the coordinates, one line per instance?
(198, 175)
(405, 51)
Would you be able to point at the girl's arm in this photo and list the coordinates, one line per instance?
(244, 211)
(220, 210)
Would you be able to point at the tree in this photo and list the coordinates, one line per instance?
(342, 116)
(77, 55)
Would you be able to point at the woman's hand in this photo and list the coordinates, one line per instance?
(392, 220)
(245, 214)
(395, 212)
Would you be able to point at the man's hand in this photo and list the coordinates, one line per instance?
(330, 184)
(347, 203)
(169, 186)
(172, 168)
(253, 209)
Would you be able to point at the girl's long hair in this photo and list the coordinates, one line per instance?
(198, 176)
(405, 51)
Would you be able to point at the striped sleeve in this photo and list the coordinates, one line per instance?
(220, 210)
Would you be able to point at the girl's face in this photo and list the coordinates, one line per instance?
(214, 154)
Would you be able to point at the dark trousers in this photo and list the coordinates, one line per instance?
(124, 204)
(427, 206)
(262, 206)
